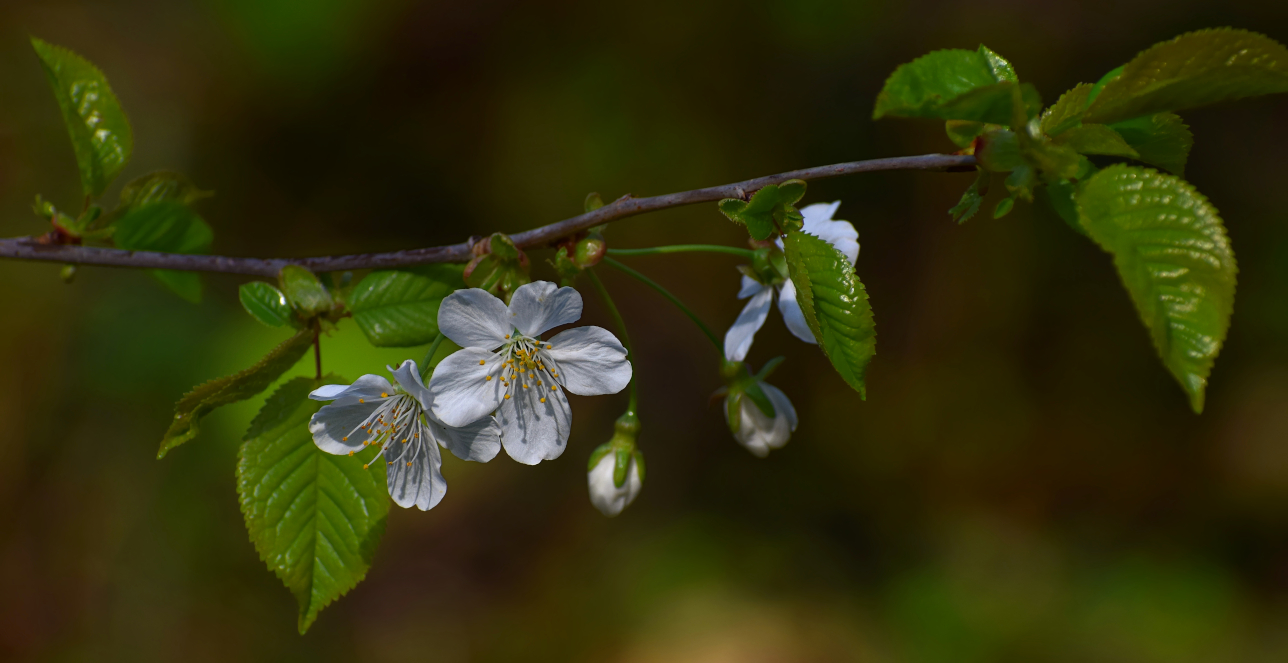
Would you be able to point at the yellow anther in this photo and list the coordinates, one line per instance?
(404, 440)
(350, 453)
(482, 361)
(365, 466)
(366, 442)
(507, 397)
(550, 347)
(390, 463)
(487, 378)
(362, 400)
(507, 336)
(525, 386)
(384, 394)
(538, 383)
(408, 463)
(543, 399)
(344, 439)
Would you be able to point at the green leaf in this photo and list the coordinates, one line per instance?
(1095, 139)
(1194, 69)
(771, 210)
(998, 65)
(266, 304)
(1173, 255)
(171, 227)
(1062, 197)
(964, 132)
(161, 185)
(972, 198)
(835, 305)
(304, 291)
(1160, 140)
(315, 518)
(100, 132)
(230, 389)
(999, 151)
(400, 308)
(1066, 113)
(952, 84)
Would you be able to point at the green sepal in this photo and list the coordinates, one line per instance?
(1161, 140)
(100, 132)
(232, 388)
(972, 198)
(1173, 255)
(266, 304)
(621, 465)
(835, 305)
(499, 266)
(304, 291)
(751, 389)
(1194, 69)
(733, 410)
(592, 202)
(167, 226)
(622, 446)
(771, 210)
(769, 368)
(399, 308)
(1003, 207)
(1066, 113)
(315, 518)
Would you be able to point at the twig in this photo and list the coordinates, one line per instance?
(28, 248)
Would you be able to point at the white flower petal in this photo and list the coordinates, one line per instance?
(408, 377)
(750, 287)
(604, 493)
(479, 441)
(541, 305)
(473, 318)
(783, 410)
(792, 314)
(840, 234)
(590, 361)
(367, 386)
(532, 431)
(333, 423)
(417, 481)
(460, 392)
(737, 342)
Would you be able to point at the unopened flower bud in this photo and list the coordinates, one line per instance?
(760, 416)
(579, 252)
(616, 470)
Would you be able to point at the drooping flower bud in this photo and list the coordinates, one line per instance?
(759, 415)
(498, 266)
(578, 253)
(616, 470)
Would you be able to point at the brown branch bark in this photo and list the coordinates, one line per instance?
(28, 248)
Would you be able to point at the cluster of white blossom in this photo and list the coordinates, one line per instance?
(505, 387)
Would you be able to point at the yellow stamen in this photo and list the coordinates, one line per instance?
(344, 439)
(408, 463)
(350, 453)
(552, 387)
(507, 397)
(362, 400)
(365, 466)
(487, 378)
(384, 394)
(507, 336)
(482, 361)
(543, 399)
(549, 347)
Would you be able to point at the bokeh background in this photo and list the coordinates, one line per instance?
(1024, 483)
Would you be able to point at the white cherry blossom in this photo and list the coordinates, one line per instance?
(505, 367)
(396, 418)
(818, 222)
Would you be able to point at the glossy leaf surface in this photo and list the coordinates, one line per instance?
(266, 304)
(1161, 140)
(232, 388)
(1194, 69)
(1066, 113)
(1173, 256)
(162, 185)
(303, 290)
(399, 308)
(100, 133)
(952, 84)
(835, 305)
(1095, 139)
(315, 518)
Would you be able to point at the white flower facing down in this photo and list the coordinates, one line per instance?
(396, 418)
(504, 366)
(605, 494)
(758, 432)
(818, 222)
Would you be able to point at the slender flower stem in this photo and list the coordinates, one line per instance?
(30, 248)
(626, 337)
(684, 248)
(427, 366)
(715, 340)
(317, 351)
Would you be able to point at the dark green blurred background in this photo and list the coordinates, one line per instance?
(1024, 483)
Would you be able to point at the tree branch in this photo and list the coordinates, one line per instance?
(28, 248)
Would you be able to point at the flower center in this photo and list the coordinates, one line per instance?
(396, 427)
(526, 367)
